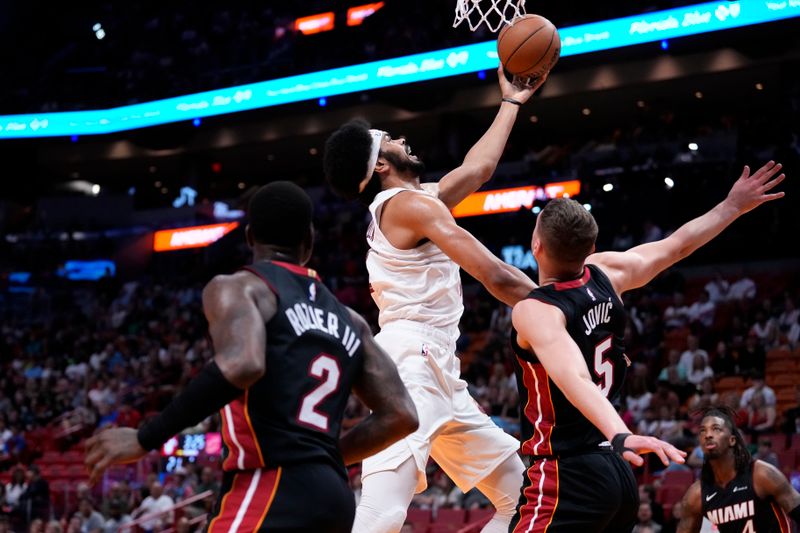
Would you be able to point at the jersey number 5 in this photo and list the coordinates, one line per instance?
(603, 368)
(326, 369)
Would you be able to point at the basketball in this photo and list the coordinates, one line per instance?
(529, 47)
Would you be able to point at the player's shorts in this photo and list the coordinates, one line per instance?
(452, 429)
(589, 493)
(294, 498)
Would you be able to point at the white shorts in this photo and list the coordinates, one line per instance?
(452, 429)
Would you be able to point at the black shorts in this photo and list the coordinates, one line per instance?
(295, 498)
(588, 493)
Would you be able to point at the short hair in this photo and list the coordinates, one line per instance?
(280, 214)
(568, 230)
(346, 159)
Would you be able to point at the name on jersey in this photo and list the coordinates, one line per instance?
(304, 317)
(731, 513)
(599, 314)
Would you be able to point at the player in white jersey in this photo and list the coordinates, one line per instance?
(416, 249)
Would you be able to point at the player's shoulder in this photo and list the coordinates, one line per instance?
(237, 284)
(533, 309)
(411, 204)
(692, 499)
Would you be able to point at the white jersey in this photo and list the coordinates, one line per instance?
(420, 284)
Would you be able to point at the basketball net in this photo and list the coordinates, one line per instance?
(493, 13)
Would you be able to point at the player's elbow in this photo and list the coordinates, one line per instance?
(243, 372)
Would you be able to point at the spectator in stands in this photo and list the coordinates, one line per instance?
(36, 498)
(116, 518)
(765, 453)
(664, 397)
(128, 416)
(651, 232)
(758, 386)
(5, 433)
(116, 498)
(674, 373)
(752, 355)
(647, 494)
(764, 329)
(156, 502)
(692, 349)
(54, 526)
(702, 311)
(676, 315)
(706, 395)
(645, 520)
(717, 289)
(91, 520)
(793, 334)
(15, 488)
(4, 525)
(742, 289)
(760, 416)
(36, 526)
(791, 418)
(638, 398)
(700, 371)
(790, 313)
(74, 525)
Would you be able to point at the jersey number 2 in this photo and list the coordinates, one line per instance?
(603, 368)
(326, 369)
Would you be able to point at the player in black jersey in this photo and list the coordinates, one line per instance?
(568, 339)
(287, 354)
(736, 493)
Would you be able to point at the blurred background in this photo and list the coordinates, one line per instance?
(108, 238)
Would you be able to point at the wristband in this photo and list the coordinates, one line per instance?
(512, 101)
(206, 394)
(618, 443)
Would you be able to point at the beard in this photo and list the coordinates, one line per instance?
(405, 164)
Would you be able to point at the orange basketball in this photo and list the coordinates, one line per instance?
(529, 47)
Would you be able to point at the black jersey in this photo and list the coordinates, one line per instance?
(737, 508)
(551, 425)
(294, 412)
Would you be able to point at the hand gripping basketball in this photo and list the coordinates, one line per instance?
(519, 90)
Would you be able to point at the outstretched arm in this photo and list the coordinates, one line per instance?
(638, 266)
(379, 386)
(541, 328)
(692, 510)
(425, 217)
(480, 162)
(769, 482)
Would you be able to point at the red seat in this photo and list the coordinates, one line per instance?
(419, 517)
(73, 456)
(678, 478)
(450, 516)
(437, 527)
(670, 494)
(77, 471)
(51, 457)
(479, 515)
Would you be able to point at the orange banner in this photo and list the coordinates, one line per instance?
(509, 200)
(191, 237)
(356, 15)
(315, 23)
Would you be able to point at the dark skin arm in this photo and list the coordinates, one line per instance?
(410, 218)
(769, 482)
(379, 386)
(692, 509)
(237, 308)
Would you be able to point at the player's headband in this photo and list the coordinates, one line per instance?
(377, 139)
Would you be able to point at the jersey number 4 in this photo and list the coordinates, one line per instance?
(326, 369)
(603, 368)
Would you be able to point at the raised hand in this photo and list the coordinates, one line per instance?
(520, 89)
(639, 445)
(109, 447)
(750, 191)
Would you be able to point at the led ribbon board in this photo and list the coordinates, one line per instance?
(192, 237)
(594, 37)
(514, 199)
